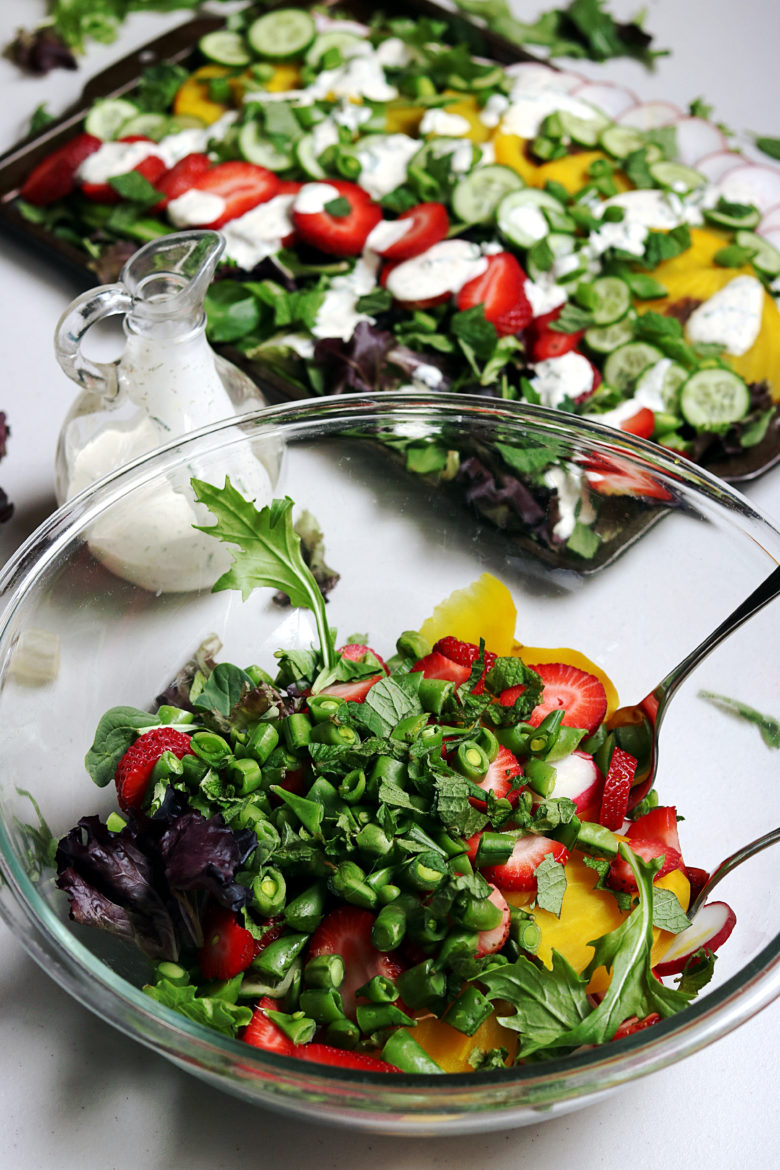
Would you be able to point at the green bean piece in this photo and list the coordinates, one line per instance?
(380, 878)
(449, 846)
(263, 739)
(470, 760)
(326, 794)
(175, 715)
(412, 645)
(173, 972)
(515, 738)
(459, 944)
(267, 836)
(540, 776)
(343, 1033)
(334, 734)
(379, 989)
(593, 838)
(115, 822)
(373, 841)
(422, 985)
(374, 1017)
(279, 763)
(245, 776)
(193, 769)
(297, 1027)
(567, 833)
(477, 913)
(389, 927)
(544, 738)
(468, 1011)
(488, 742)
(433, 694)
(292, 991)
(425, 871)
(432, 737)
(325, 971)
(352, 788)
(307, 910)
(593, 742)
(387, 894)
(524, 931)
(323, 1004)
(166, 768)
(275, 960)
(494, 848)
(211, 747)
(324, 707)
(269, 893)
(347, 881)
(296, 731)
(258, 675)
(386, 768)
(407, 1054)
(407, 730)
(569, 739)
(426, 929)
(308, 812)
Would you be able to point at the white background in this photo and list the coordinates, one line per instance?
(75, 1093)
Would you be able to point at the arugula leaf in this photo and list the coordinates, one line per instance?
(550, 1003)
(115, 732)
(269, 552)
(768, 725)
(210, 1010)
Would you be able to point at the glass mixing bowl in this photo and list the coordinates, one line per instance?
(401, 542)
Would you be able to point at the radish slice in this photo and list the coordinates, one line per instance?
(751, 183)
(696, 138)
(536, 75)
(650, 115)
(709, 929)
(578, 778)
(612, 99)
(715, 166)
(490, 941)
(770, 220)
(772, 236)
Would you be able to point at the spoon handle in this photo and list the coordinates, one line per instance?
(730, 863)
(764, 593)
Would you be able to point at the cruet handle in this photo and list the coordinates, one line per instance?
(108, 300)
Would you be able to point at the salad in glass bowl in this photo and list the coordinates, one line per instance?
(402, 213)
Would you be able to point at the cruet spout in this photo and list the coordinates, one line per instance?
(167, 279)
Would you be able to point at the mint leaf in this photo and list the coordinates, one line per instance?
(768, 725)
(339, 208)
(768, 146)
(135, 188)
(388, 702)
(668, 914)
(551, 885)
(269, 552)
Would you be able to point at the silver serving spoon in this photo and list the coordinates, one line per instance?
(728, 865)
(646, 715)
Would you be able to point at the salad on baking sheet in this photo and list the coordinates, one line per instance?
(442, 862)
(401, 214)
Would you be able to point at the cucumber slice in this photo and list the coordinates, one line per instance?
(476, 197)
(624, 365)
(108, 117)
(282, 34)
(150, 125)
(306, 157)
(490, 76)
(620, 141)
(224, 47)
(331, 40)
(605, 338)
(518, 215)
(670, 383)
(257, 149)
(676, 177)
(766, 257)
(583, 131)
(747, 217)
(562, 271)
(611, 300)
(185, 122)
(714, 398)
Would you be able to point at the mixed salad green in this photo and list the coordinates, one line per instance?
(443, 862)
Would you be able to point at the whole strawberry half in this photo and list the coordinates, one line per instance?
(137, 764)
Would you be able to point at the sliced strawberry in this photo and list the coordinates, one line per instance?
(490, 941)
(340, 1058)
(356, 652)
(435, 665)
(346, 931)
(697, 878)
(500, 289)
(551, 344)
(289, 186)
(634, 1024)
(516, 319)
(228, 947)
(262, 1032)
(353, 692)
(137, 764)
(621, 876)
(181, 177)
(615, 476)
(659, 824)
(152, 168)
(580, 695)
(466, 654)
(498, 778)
(242, 185)
(55, 176)
(334, 233)
(428, 225)
(617, 786)
(642, 423)
(519, 872)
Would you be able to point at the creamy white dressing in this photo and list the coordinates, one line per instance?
(531, 103)
(619, 414)
(544, 294)
(312, 198)
(323, 135)
(651, 391)
(350, 115)
(115, 158)
(194, 140)
(731, 317)
(493, 110)
(338, 314)
(386, 233)
(441, 122)
(649, 209)
(427, 376)
(528, 220)
(259, 232)
(558, 378)
(393, 53)
(195, 208)
(384, 161)
(630, 235)
(359, 77)
(488, 154)
(444, 268)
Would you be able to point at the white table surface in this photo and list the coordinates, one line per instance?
(76, 1093)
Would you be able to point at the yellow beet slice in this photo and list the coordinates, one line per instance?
(571, 172)
(192, 98)
(285, 77)
(451, 1049)
(484, 609)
